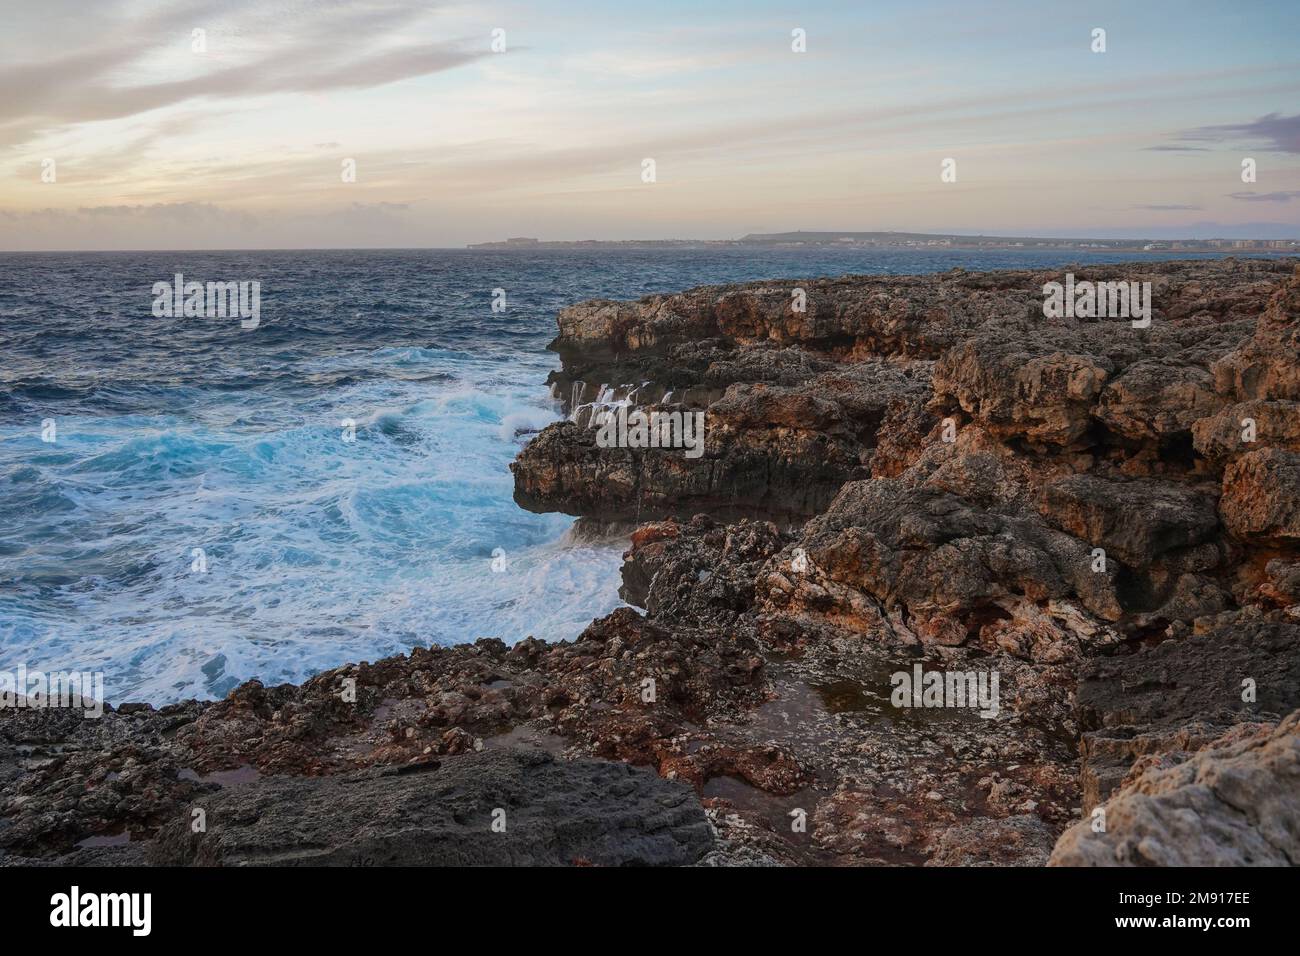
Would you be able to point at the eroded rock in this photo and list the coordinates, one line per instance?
(497, 808)
(1235, 802)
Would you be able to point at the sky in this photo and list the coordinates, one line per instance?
(123, 128)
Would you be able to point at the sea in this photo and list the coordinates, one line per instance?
(186, 503)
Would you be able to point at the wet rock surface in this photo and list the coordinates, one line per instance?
(914, 475)
(495, 808)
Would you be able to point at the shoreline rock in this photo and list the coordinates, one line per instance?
(916, 471)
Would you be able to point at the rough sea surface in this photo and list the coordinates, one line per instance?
(199, 517)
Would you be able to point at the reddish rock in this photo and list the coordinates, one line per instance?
(1261, 496)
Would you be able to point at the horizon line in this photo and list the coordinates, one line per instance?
(470, 247)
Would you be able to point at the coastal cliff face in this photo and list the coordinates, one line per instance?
(900, 476)
(1107, 514)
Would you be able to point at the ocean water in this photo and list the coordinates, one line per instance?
(182, 507)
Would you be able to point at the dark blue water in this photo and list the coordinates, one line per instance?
(199, 516)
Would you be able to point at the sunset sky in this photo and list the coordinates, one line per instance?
(158, 146)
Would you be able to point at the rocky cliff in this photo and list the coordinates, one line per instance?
(900, 475)
(1107, 512)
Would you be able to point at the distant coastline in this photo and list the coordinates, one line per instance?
(905, 240)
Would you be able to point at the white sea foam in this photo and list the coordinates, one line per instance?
(318, 551)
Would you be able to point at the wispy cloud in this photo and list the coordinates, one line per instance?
(333, 47)
(1279, 196)
(1274, 132)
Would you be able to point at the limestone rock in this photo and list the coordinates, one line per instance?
(1261, 496)
(548, 812)
(1236, 802)
(1136, 521)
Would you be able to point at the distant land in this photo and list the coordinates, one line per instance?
(907, 240)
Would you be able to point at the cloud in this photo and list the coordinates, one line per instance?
(1172, 148)
(323, 48)
(201, 225)
(380, 206)
(1281, 196)
(1280, 133)
(1169, 207)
